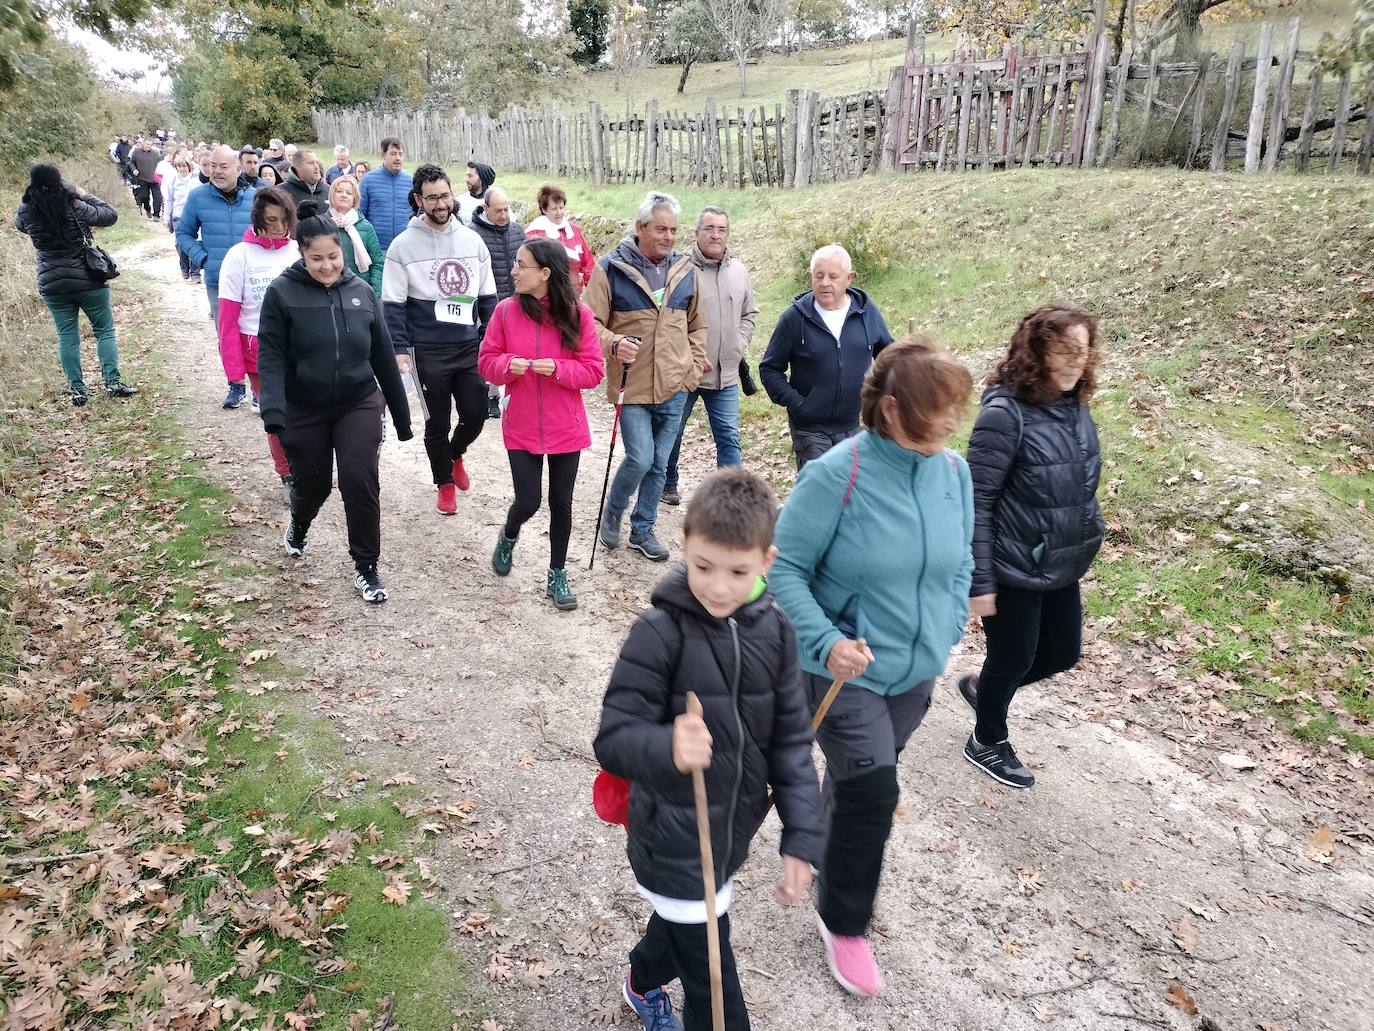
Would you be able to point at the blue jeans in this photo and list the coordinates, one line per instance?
(722, 411)
(649, 432)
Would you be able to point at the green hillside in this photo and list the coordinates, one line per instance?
(1236, 408)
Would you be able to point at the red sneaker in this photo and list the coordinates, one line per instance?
(460, 476)
(448, 500)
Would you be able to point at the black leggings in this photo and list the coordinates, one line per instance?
(527, 471)
(314, 441)
(1034, 635)
(449, 376)
(669, 952)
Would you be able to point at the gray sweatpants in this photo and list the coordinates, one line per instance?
(862, 736)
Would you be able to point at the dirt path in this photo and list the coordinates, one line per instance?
(1138, 861)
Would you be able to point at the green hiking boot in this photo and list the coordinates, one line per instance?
(559, 591)
(504, 554)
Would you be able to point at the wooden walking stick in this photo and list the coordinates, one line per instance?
(830, 694)
(708, 877)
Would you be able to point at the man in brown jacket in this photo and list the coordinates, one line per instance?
(727, 297)
(653, 335)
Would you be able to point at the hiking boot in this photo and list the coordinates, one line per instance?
(447, 504)
(460, 476)
(294, 538)
(563, 598)
(999, 762)
(287, 483)
(237, 392)
(504, 554)
(647, 545)
(653, 1007)
(369, 584)
(968, 689)
(609, 530)
(77, 395)
(671, 496)
(493, 408)
(851, 962)
(114, 388)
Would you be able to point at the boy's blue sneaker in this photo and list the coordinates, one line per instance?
(653, 1008)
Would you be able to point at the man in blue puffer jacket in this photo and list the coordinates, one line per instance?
(385, 194)
(828, 338)
(215, 218)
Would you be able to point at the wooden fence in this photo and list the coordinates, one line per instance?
(1024, 108)
(1079, 108)
(720, 146)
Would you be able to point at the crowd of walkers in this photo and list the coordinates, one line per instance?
(330, 290)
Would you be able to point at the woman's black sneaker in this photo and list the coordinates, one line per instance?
(968, 689)
(999, 762)
(78, 396)
(369, 584)
(294, 539)
(117, 389)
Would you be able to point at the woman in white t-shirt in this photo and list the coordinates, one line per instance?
(267, 250)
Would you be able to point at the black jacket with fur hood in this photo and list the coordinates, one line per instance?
(744, 670)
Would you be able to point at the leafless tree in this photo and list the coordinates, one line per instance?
(745, 28)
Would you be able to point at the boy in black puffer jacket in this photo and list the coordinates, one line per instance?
(714, 630)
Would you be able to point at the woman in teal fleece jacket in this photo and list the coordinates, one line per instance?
(874, 544)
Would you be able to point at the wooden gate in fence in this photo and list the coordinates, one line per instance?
(1079, 108)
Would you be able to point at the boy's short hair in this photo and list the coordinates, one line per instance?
(733, 508)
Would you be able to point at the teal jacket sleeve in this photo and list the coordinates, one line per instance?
(375, 252)
(806, 526)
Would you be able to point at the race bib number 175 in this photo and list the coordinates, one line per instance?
(457, 310)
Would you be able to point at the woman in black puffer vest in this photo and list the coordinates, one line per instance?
(1035, 462)
(58, 217)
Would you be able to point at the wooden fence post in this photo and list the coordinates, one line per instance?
(1095, 88)
(1123, 73)
(1221, 141)
(1199, 110)
(1366, 157)
(788, 154)
(891, 143)
(1283, 95)
(598, 145)
(965, 104)
(1342, 123)
(1309, 118)
(1254, 137)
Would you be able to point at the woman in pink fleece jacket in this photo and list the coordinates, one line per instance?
(542, 345)
(267, 250)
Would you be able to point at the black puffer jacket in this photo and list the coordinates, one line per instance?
(325, 348)
(61, 249)
(502, 243)
(1037, 523)
(744, 670)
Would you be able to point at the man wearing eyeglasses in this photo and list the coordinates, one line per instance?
(727, 297)
(438, 293)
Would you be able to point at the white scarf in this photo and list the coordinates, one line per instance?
(349, 223)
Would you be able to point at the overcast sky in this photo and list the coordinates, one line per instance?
(109, 59)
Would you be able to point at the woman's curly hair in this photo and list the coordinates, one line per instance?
(1024, 370)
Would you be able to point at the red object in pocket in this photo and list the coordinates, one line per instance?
(611, 798)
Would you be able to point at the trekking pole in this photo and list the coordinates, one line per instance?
(610, 457)
(830, 696)
(708, 878)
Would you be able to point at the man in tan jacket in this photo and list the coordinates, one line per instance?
(653, 335)
(727, 298)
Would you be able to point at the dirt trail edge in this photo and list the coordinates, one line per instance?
(1128, 889)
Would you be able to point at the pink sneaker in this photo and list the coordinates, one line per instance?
(851, 961)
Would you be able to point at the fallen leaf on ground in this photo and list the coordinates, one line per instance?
(1185, 936)
(1322, 846)
(1176, 996)
(1011, 947)
(1044, 1012)
(1028, 880)
(1131, 884)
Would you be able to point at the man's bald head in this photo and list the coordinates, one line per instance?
(224, 168)
(496, 206)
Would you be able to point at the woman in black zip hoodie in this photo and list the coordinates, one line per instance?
(323, 351)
